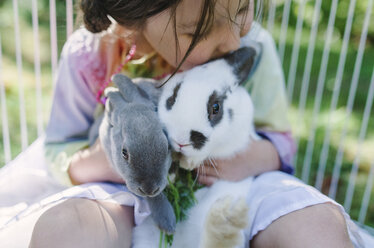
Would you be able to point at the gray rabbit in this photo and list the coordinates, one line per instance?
(136, 144)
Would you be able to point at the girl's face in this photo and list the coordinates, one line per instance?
(223, 37)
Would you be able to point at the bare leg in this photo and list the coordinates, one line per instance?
(84, 223)
(320, 225)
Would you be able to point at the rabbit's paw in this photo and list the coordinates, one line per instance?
(225, 221)
(164, 217)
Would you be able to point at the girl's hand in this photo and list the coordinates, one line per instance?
(260, 156)
(92, 165)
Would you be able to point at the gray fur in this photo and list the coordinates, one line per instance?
(93, 133)
(130, 122)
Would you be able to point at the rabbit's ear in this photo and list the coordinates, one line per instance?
(244, 61)
(114, 100)
(129, 91)
(114, 107)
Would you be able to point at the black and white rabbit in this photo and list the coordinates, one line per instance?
(205, 111)
(208, 115)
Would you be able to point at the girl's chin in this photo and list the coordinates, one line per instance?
(188, 65)
(185, 66)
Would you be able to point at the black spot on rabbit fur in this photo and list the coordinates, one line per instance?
(197, 139)
(231, 114)
(242, 60)
(171, 100)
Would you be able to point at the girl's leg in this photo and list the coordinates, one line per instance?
(320, 225)
(84, 223)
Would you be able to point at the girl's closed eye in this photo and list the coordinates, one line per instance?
(243, 11)
(240, 17)
(189, 33)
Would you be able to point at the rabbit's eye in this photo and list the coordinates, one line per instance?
(125, 154)
(215, 108)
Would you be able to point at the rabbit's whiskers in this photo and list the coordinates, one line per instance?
(198, 173)
(214, 164)
(196, 177)
(203, 172)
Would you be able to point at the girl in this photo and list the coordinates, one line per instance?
(154, 38)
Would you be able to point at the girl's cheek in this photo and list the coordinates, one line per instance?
(245, 29)
(197, 58)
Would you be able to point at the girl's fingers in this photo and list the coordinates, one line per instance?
(207, 180)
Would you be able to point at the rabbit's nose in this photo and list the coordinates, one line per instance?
(149, 191)
(182, 145)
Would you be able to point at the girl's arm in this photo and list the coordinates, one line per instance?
(274, 152)
(91, 165)
(285, 146)
(259, 157)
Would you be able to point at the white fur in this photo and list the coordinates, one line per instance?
(221, 212)
(190, 113)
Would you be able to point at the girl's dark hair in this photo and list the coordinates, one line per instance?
(133, 14)
(128, 13)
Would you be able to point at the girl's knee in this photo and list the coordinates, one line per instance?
(321, 225)
(83, 223)
(331, 220)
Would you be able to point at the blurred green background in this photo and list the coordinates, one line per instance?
(10, 77)
(338, 117)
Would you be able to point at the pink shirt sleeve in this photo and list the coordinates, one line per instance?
(79, 74)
